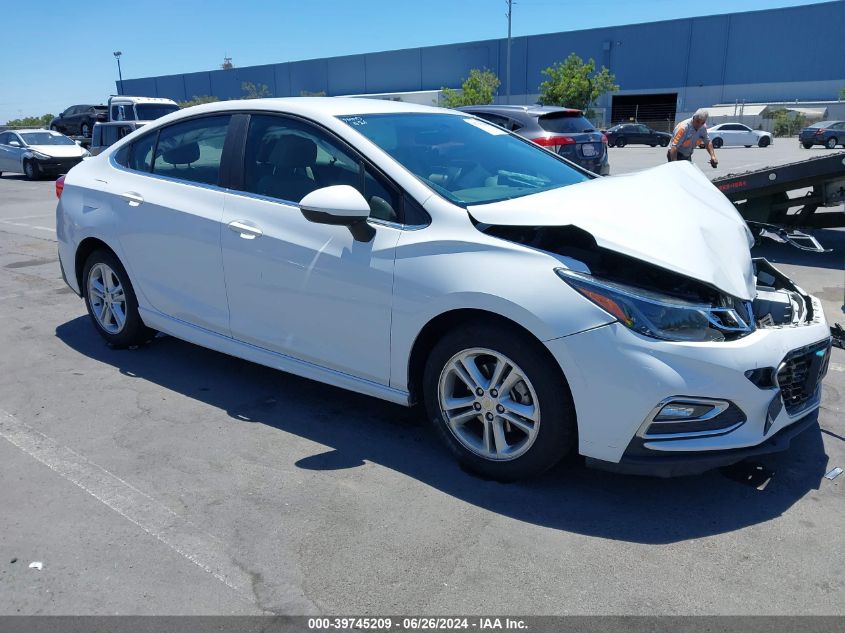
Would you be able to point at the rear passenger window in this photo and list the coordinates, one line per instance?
(192, 150)
(140, 156)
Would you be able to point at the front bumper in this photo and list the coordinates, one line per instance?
(57, 165)
(617, 376)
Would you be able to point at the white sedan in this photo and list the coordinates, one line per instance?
(737, 134)
(418, 254)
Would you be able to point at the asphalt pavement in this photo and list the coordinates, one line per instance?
(171, 479)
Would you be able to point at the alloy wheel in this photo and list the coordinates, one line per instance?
(107, 298)
(489, 404)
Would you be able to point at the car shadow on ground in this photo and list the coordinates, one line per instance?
(570, 497)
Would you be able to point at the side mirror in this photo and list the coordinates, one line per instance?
(339, 205)
(14, 144)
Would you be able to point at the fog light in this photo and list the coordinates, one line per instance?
(683, 411)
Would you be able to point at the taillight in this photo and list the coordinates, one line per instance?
(604, 138)
(554, 141)
(60, 185)
(820, 131)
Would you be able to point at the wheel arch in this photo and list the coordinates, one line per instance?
(439, 325)
(83, 251)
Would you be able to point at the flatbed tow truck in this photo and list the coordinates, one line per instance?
(763, 198)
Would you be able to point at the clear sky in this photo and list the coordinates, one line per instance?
(57, 53)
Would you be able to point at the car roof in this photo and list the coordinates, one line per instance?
(326, 106)
(534, 110)
(825, 123)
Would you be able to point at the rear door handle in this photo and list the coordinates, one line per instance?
(246, 231)
(134, 199)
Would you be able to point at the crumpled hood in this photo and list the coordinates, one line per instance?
(59, 151)
(670, 216)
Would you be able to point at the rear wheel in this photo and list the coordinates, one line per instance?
(652, 144)
(497, 400)
(620, 142)
(764, 141)
(54, 128)
(111, 301)
(806, 145)
(717, 143)
(831, 143)
(85, 130)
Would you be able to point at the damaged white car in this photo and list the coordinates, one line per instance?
(422, 255)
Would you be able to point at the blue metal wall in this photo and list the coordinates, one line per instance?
(778, 46)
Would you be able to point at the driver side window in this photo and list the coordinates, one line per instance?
(287, 159)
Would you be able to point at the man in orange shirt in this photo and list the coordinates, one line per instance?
(687, 135)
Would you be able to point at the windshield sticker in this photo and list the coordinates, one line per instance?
(481, 125)
(354, 121)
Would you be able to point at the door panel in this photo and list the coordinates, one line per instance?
(169, 226)
(301, 288)
(309, 290)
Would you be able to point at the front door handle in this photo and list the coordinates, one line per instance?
(134, 199)
(246, 231)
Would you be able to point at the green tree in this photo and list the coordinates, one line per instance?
(198, 101)
(842, 93)
(477, 89)
(575, 84)
(31, 121)
(308, 93)
(255, 91)
(786, 125)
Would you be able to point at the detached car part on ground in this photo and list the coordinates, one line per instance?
(417, 254)
(38, 153)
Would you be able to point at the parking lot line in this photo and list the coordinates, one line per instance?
(179, 534)
(28, 226)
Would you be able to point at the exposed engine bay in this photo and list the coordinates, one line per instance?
(778, 302)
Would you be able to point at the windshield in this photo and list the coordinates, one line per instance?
(150, 111)
(45, 138)
(466, 160)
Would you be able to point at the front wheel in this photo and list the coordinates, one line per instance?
(764, 141)
(717, 143)
(664, 143)
(31, 170)
(111, 301)
(806, 145)
(831, 143)
(498, 401)
(620, 142)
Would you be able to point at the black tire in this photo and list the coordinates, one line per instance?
(31, 171)
(717, 143)
(652, 144)
(764, 141)
(831, 143)
(85, 130)
(557, 430)
(54, 128)
(748, 146)
(620, 142)
(806, 145)
(610, 143)
(133, 332)
(664, 143)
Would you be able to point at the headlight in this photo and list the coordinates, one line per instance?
(39, 155)
(657, 315)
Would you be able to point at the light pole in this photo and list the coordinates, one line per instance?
(117, 55)
(508, 72)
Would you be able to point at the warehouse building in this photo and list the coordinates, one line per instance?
(665, 69)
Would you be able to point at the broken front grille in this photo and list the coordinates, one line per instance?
(799, 375)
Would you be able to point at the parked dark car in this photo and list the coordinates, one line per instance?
(827, 133)
(564, 131)
(79, 120)
(109, 133)
(636, 134)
